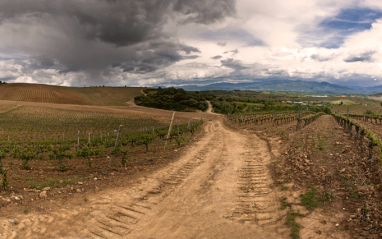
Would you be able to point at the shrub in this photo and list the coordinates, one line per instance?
(369, 112)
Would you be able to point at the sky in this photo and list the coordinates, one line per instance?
(183, 42)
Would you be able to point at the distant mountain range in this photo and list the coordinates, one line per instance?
(289, 86)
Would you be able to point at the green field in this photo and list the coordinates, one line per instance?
(31, 123)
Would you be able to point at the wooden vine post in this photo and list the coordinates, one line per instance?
(78, 140)
(116, 143)
(299, 120)
(169, 130)
(357, 133)
(1, 166)
(362, 134)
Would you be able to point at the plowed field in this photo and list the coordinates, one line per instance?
(108, 96)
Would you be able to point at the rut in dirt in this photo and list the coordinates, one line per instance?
(220, 187)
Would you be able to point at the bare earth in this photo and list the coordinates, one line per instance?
(219, 188)
(161, 115)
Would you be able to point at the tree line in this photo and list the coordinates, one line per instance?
(174, 99)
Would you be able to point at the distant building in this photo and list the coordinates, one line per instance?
(317, 95)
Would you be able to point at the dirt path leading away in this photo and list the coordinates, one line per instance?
(219, 188)
(209, 110)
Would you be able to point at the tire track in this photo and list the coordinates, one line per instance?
(232, 184)
(110, 223)
(257, 202)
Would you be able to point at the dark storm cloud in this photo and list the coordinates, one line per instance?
(231, 34)
(149, 61)
(234, 52)
(234, 64)
(82, 35)
(222, 43)
(366, 56)
(205, 11)
(320, 58)
(216, 57)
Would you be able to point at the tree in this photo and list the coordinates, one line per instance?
(341, 103)
(327, 110)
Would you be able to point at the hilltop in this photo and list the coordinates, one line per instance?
(289, 86)
(103, 96)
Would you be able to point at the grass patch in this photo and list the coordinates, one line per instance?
(285, 136)
(54, 183)
(322, 145)
(299, 144)
(312, 199)
(284, 204)
(291, 222)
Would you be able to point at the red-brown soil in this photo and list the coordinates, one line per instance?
(324, 155)
(68, 95)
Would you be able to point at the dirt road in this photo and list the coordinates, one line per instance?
(209, 110)
(219, 188)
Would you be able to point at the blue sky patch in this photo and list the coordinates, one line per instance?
(352, 20)
(347, 22)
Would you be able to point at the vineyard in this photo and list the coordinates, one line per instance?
(105, 96)
(335, 160)
(275, 118)
(298, 173)
(42, 147)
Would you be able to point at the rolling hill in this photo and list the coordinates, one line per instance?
(102, 96)
(289, 86)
